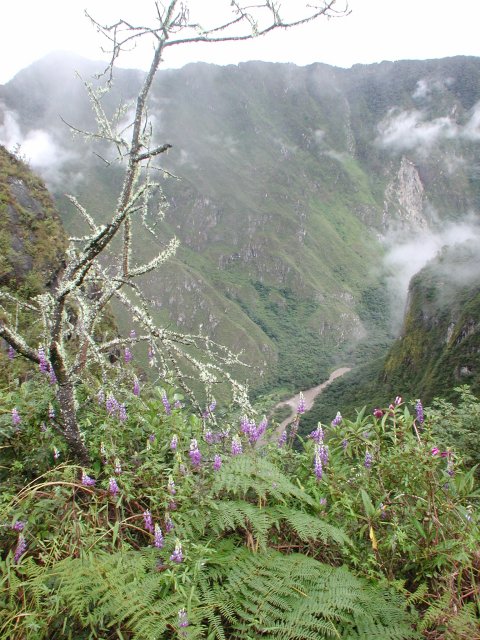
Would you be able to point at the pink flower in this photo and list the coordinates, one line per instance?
(435, 451)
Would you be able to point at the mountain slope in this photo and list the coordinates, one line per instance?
(293, 183)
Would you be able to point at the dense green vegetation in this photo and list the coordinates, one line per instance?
(189, 528)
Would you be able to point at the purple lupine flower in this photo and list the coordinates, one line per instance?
(43, 363)
(245, 424)
(166, 404)
(262, 427)
(174, 442)
(318, 434)
(317, 464)
(11, 352)
(136, 387)
(122, 412)
(169, 526)
(117, 467)
(344, 444)
(337, 420)
(194, 453)
(177, 404)
(19, 525)
(87, 481)
(111, 404)
(208, 436)
(283, 439)
(172, 505)
(133, 334)
(217, 462)
(52, 377)
(158, 537)
(148, 522)
(56, 453)
(101, 397)
(367, 463)
(323, 453)
(236, 445)
(398, 400)
(51, 412)
(301, 404)
(182, 618)
(171, 487)
(151, 437)
(15, 417)
(177, 555)
(212, 406)
(127, 355)
(377, 413)
(112, 487)
(20, 549)
(450, 468)
(419, 411)
(323, 502)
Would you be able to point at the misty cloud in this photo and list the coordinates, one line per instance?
(405, 259)
(425, 88)
(409, 130)
(39, 148)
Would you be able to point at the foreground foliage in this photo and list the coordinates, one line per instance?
(204, 528)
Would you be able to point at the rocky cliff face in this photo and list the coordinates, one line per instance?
(32, 239)
(439, 347)
(294, 181)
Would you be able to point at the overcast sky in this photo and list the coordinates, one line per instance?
(375, 30)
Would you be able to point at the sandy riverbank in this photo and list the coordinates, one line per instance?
(309, 395)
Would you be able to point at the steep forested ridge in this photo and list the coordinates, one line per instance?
(294, 182)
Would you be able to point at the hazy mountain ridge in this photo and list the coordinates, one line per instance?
(294, 183)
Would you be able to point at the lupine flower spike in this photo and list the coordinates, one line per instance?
(217, 462)
(236, 445)
(419, 410)
(177, 555)
(20, 549)
(182, 618)
(166, 404)
(15, 417)
(169, 526)
(317, 464)
(148, 522)
(174, 442)
(194, 453)
(122, 412)
(301, 404)
(158, 537)
(112, 487)
(136, 387)
(368, 460)
(87, 481)
(337, 420)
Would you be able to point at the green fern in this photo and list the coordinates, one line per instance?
(295, 597)
(254, 476)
